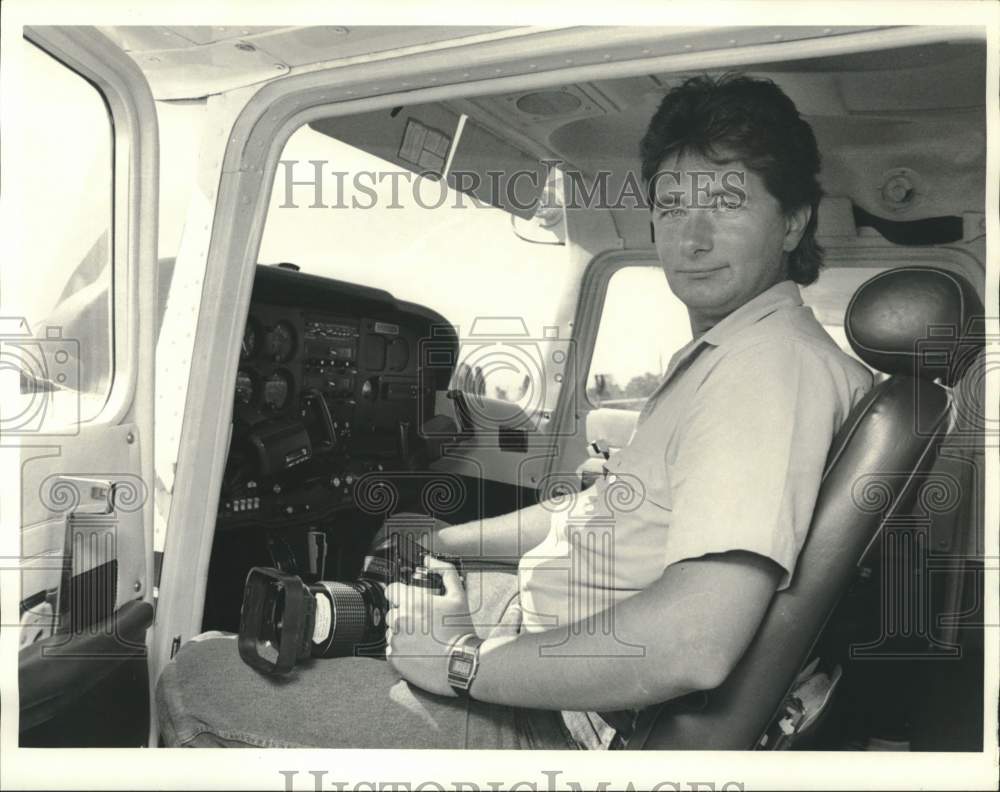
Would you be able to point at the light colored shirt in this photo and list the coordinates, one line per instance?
(728, 454)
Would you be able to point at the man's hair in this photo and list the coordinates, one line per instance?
(734, 117)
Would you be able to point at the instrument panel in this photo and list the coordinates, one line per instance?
(363, 367)
(328, 388)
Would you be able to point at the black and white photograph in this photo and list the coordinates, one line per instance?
(437, 398)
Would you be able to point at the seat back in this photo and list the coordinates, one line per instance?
(918, 325)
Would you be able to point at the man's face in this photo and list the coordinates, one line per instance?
(720, 235)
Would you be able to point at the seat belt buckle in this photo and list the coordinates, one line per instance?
(601, 449)
(801, 710)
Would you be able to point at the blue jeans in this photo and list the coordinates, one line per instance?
(208, 697)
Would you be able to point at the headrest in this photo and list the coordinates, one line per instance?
(918, 321)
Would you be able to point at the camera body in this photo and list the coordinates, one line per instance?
(285, 620)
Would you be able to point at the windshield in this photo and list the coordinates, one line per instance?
(339, 212)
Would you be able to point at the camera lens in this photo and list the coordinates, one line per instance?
(357, 619)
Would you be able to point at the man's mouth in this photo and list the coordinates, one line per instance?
(701, 272)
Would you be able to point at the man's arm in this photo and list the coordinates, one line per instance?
(685, 632)
(691, 627)
(503, 538)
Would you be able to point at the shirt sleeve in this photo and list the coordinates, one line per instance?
(750, 455)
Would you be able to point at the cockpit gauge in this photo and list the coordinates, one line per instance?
(280, 344)
(276, 389)
(399, 354)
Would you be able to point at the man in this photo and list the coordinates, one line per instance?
(652, 583)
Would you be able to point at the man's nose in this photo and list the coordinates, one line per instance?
(696, 235)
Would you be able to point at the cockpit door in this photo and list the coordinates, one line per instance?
(83, 347)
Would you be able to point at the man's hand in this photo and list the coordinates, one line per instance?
(422, 625)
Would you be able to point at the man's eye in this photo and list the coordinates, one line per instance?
(726, 202)
(673, 213)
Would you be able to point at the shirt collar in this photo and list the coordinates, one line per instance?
(782, 295)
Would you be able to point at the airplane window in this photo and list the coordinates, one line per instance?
(642, 325)
(63, 318)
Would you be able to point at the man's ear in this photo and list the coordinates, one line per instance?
(795, 227)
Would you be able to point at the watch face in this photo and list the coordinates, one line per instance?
(461, 665)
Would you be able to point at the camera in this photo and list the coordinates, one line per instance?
(285, 620)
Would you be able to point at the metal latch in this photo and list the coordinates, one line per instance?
(94, 496)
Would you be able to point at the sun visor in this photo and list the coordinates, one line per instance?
(422, 140)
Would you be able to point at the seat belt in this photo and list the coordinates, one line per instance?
(647, 717)
(623, 722)
(644, 721)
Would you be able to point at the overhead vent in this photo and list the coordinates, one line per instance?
(551, 106)
(549, 103)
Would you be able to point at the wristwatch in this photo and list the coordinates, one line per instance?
(463, 663)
